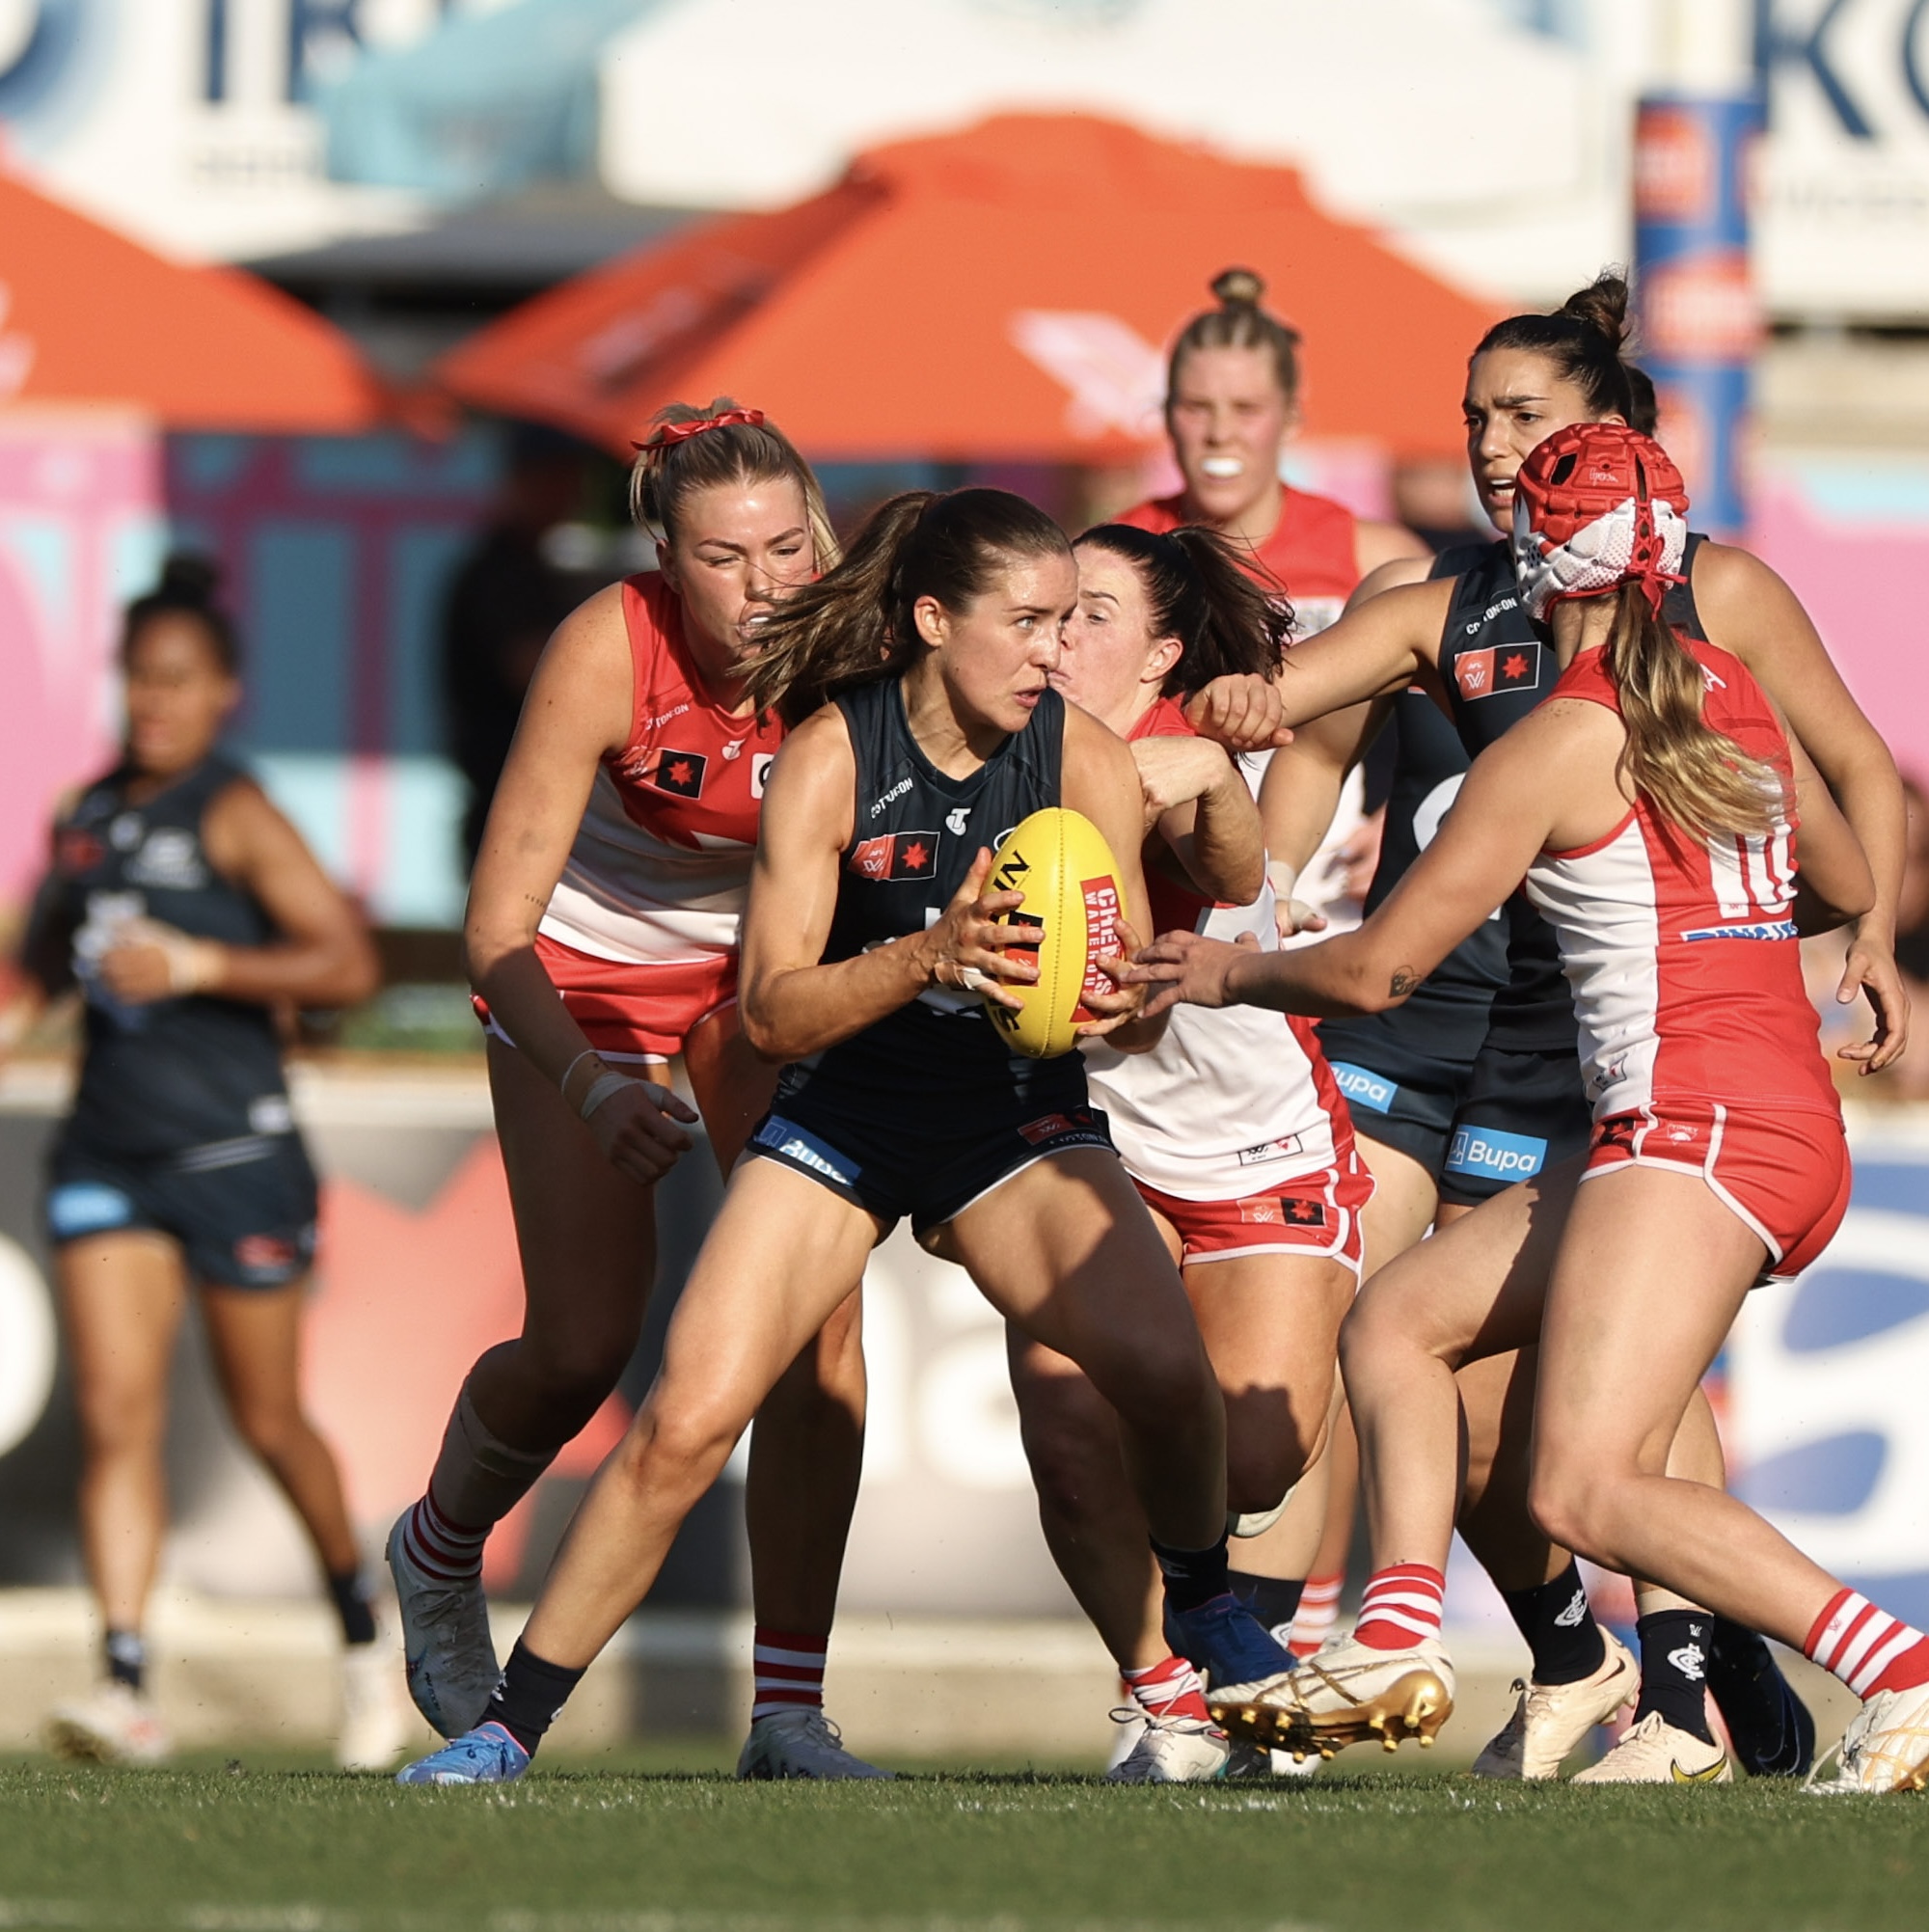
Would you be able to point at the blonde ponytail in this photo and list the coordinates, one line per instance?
(1693, 776)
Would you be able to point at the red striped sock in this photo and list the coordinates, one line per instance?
(1402, 1605)
(1318, 1612)
(449, 1551)
(789, 1670)
(1866, 1648)
(1169, 1689)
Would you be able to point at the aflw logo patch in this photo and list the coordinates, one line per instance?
(1499, 668)
(895, 855)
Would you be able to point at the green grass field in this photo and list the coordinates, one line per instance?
(253, 1850)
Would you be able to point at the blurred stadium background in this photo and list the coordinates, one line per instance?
(348, 292)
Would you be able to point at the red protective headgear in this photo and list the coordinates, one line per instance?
(1594, 506)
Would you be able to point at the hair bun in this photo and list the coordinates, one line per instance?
(189, 578)
(1239, 288)
(1602, 305)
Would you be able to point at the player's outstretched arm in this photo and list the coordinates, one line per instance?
(1751, 612)
(1201, 810)
(1380, 646)
(794, 1004)
(1500, 820)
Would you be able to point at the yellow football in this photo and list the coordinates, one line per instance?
(1062, 864)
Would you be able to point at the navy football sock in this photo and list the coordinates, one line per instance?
(1559, 1629)
(1273, 1600)
(1675, 1669)
(531, 1696)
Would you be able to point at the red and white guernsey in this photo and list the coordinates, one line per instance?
(1233, 1101)
(662, 862)
(1312, 551)
(1683, 955)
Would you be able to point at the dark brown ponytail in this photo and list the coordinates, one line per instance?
(1200, 593)
(856, 624)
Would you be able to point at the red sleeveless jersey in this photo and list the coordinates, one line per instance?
(1311, 552)
(1683, 953)
(662, 859)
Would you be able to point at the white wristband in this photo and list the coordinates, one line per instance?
(562, 1085)
(601, 1088)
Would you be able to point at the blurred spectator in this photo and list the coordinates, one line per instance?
(505, 599)
(1434, 499)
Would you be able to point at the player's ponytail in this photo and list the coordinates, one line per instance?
(1584, 339)
(858, 624)
(1239, 322)
(688, 449)
(1198, 590)
(1693, 776)
(189, 587)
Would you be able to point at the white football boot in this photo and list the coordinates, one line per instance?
(1173, 1750)
(374, 1728)
(1653, 1752)
(115, 1724)
(1347, 1693)
(448, 1654)
(1551, 1721)
(1886, 1746)
(801, 1743)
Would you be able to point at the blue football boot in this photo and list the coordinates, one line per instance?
(1770, 1729)
(1226, 1643)
(485, 1756)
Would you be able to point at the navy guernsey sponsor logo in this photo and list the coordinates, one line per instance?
(1362, 1087)
(1494, 1156)
(680, 774)
(895, 855)
(1499, 668)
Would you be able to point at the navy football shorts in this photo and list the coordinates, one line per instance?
(1404, 1073)
(1524, 1110)
(243, 1212)
(892, 1162)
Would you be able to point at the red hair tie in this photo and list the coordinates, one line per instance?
(669, 434)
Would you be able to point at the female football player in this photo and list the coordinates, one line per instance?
(1232, 1133)
(916, 676)
(1520, 1104)
(1652, 805)
(602, 934)
(188, 914)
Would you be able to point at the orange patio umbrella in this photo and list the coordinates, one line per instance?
(88, 316)
(1002, 293)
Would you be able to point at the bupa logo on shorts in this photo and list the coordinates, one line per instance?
(1364, 1088)
(786, 1139)
(1495, 1156)
(895, 855)
(680, 774)
(87, 1207)
(1497, 668)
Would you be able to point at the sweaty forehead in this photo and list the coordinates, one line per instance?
(741, 513)
(1041, 582)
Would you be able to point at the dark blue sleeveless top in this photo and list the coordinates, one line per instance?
(915, 833)
(176, 1075)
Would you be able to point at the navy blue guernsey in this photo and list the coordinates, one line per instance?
(1495, 665)
(199, 1077)
(915, 833)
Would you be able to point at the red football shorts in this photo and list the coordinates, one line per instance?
(1316, 1214)
(1784, 1171)
(628, 1012)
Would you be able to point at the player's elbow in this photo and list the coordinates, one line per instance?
(357, 975)
(762, 1025)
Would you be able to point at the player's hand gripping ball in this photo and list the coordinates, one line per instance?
(1060, 862)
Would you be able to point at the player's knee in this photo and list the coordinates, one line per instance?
(576, 1372)
(270, 1432)
(680, 1444)
(116, 1420)
(1567, 1502)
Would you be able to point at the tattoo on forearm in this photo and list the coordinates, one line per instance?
(1404, 980)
